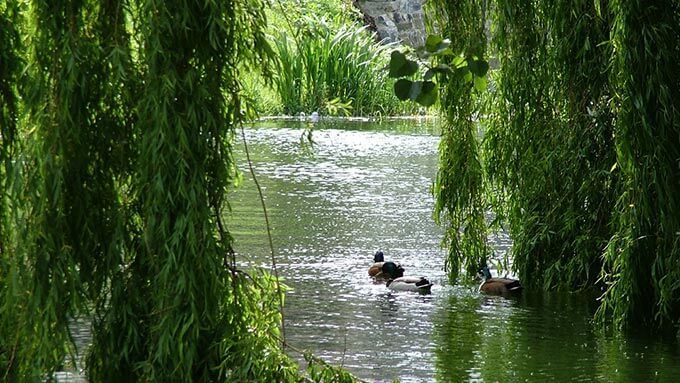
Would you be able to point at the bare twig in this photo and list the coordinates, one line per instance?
(269, 236)
(12, 357)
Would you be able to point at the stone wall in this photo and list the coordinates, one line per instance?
(395, 21)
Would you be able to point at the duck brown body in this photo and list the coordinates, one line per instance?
(375, 269)
(498, 286)
(383, 271)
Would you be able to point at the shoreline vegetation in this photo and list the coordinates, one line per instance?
(327, 61)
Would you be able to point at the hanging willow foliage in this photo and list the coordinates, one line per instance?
(549, 141)
(127, 114)
(10, 64)
(459, 184)
(580, 149)
(642, 260)
(196, 318)
(49, 289)
(67, 209)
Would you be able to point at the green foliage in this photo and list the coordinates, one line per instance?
(116, 151)
(324, 62)
(330, 63)
(400, 66)
(642, 260)
(289, 15)
(258, 94)
(66, 203)
(443, 63)
(320, 371)
(289, 80)
(579, 149)
(10, 64)
(534, 128)
(549, 139)
(459, 187)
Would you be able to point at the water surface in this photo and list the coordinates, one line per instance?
(366, 187)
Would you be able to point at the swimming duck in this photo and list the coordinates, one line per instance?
(376, 267)
(497, 286)
(384, 270)
(419, 284)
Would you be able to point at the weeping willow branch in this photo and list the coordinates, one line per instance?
(549, 139)
(642, 259)
(269, 235)
(10, 63)
(459, 188)
(580, 150)
(120, 184)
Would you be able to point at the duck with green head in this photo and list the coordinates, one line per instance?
(497, 286)
(393, 274)
(381, 270)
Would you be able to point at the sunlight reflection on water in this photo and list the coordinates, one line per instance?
(360, 189)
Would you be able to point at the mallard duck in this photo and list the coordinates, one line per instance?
(497, 286)
(419, 284)
(376, 267)
(384, 270)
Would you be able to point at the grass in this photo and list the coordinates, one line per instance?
(330, 64)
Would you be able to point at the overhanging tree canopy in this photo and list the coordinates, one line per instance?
(113, 187)
(580, 150)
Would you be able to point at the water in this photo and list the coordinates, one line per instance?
(362, 188)
(366, 187)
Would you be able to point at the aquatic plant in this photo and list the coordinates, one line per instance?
(323, 61)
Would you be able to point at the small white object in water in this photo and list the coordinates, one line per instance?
(315, 117)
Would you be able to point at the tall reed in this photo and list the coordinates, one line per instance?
(326, 62)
